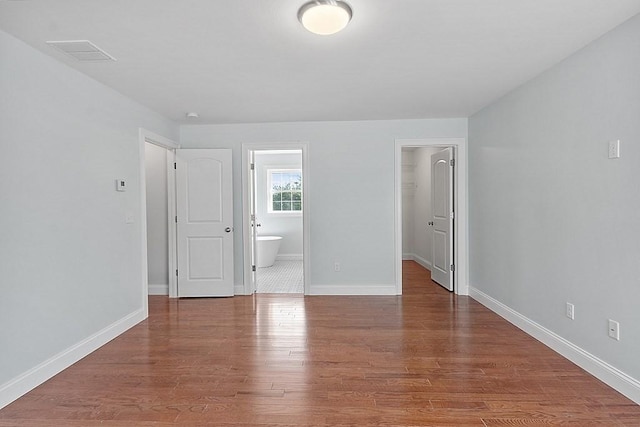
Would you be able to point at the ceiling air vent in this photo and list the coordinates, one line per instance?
(82, 50)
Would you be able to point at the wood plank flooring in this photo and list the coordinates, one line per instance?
(427, 358)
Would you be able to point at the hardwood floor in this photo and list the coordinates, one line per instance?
(427, 358)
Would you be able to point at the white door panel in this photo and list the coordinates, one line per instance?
(204, 190)
(205, 222)
(254, 221)
(205, 258)
(439, 256)
(442, 206)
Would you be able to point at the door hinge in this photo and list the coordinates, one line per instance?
(452, 162)
(253, 166)
(453, 267)
(176, 271)
(452, 215)
(175, 165)
(176, 219)
(253, 268)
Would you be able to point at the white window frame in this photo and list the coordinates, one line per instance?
(270, 172)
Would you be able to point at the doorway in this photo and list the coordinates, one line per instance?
(157, 191)
(277, 189)
(427, 234)
(275, 225)
(415, 243)
(157, 218)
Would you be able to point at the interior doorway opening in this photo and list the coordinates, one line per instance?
(277, 189)
(275, 218)
(157, 218)
(406, 238)
(427, 210)
(157, 201)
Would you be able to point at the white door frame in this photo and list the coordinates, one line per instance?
(146, 136)
(246, 204)
(461, 248)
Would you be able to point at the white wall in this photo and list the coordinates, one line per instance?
(72, 269)
(288, 226)
(157, 220)
(351, 189)
(552, 219)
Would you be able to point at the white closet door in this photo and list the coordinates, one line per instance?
(442, 206)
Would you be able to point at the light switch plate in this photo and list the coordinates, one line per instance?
(614, 329)
(121, 185)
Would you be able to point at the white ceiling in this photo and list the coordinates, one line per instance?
(251, 61)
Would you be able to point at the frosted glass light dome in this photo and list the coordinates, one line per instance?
(325, 17)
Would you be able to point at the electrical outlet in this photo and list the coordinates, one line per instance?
(614, 149)
(570, 311)
(614, 330)
(336, 266)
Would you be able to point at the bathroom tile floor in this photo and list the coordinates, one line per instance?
(283, 277)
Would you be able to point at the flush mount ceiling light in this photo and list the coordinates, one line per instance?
(325, 17)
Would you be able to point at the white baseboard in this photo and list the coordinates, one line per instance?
(600, 369)
(351, 289)
(158, 289)
(423, 262)
(417, 258)
(37, 375)
(238, 289)
(289, 257)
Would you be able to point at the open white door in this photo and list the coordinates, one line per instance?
(254, 224)
(442, 206)
(204, 204)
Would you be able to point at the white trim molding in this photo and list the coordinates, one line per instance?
(351, 289)
(37, 375)
(158, 289)
(600, 369)
(417, 258)
(238, 289)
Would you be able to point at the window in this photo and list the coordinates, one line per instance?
(285, 190)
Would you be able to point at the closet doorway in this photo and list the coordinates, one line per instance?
(407, 152)
(157, 191)
(428, 214)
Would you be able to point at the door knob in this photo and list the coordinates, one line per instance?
(228, 229)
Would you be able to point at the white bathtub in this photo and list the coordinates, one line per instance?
(267, 250)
